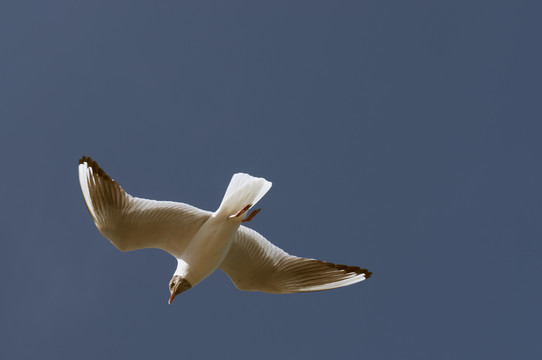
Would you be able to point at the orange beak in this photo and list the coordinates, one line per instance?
(171, 297)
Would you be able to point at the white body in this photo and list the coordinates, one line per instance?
(209, 246)
(207, 249)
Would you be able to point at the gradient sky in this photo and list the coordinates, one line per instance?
(404, 137)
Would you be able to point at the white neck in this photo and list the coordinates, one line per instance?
(182, 268)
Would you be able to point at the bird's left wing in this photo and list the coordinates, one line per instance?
(255, 264)
(132, 223)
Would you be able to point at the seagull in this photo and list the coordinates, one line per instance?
(203, 241)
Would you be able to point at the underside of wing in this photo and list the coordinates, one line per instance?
(132, 223)
(255, 264)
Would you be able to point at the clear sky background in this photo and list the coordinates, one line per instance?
(404, 137)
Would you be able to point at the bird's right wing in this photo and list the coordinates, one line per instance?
(255, 264)
(132, 223)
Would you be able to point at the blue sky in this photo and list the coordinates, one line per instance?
(403, 137)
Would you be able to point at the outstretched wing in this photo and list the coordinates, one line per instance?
(132, 223)
(255, 264)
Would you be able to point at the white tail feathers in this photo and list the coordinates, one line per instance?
(243, 190)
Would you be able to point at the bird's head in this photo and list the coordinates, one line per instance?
(176, 286)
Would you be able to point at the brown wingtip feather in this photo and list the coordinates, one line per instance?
(350, 269)
(95, 167)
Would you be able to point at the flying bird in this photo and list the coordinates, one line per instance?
(203, 241)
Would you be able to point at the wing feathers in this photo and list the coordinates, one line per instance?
(132, 223)
(255, 264)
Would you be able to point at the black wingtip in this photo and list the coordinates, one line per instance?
(84, 159)
(94, 165)
(367, 273)
(350, 269)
